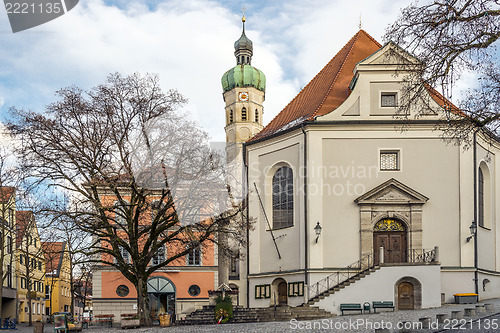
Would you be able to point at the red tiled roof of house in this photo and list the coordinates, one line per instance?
(327, 90)
(53, 252)
(6, 192)
(23, 218)
(330, 88)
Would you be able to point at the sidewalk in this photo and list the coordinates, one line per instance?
(349, 323)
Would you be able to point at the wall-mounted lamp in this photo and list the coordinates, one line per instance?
(473, 230)
(317, 230)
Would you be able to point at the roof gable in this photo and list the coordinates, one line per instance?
(392, 192)
(327, 90)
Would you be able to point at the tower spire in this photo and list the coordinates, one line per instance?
(243, 47)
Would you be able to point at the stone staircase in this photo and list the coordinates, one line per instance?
(250, 315)
(341, 285)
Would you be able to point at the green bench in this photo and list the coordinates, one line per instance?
(350, 307)
(382, 305)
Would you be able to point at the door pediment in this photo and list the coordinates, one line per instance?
(392, 192)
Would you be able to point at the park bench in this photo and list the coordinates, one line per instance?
(382, 305)
(105, 319)
(350, 307)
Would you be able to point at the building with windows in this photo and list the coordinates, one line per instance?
(30, 269)
(57, 277)
(344, 200)
(8, 232)
(178, 288)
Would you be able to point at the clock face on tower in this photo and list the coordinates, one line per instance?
(243, 96)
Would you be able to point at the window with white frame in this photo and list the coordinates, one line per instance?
(194, 257)
(389, 160)
(159, 257)
(388, 99)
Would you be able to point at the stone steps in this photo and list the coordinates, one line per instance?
(340, 286)
(248, 315)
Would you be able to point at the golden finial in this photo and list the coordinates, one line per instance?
(243, 19)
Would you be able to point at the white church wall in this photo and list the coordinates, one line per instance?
(428, 166)
(268, 280)
(379, 286)
(265, 161)
(486, 237)
(456, 281)
(489, 285)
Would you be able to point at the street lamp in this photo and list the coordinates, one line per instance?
(317, 230)
(473, 230)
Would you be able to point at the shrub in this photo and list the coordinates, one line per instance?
(223, 309)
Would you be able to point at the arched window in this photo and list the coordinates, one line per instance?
(480, 195)
(244, 114)
(256, 115)
(283, 198)
(231, 116)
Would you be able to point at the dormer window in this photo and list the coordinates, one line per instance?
(388, 99)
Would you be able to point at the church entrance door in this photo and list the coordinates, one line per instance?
(391, 235)
(282, 293)
(406, 296)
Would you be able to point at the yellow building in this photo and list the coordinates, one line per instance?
(30, 268)
(7, 229)
(57, 277)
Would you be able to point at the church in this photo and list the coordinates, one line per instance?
(346, 205)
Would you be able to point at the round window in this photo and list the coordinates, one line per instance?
(194, 290)
(122, 290)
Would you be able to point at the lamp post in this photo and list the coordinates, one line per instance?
(317, 230)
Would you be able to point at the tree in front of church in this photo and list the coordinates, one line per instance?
(139, 176)
(450, 38)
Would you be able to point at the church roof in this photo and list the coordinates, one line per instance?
(327, 90)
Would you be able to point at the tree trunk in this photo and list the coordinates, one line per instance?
(143, 302)
(71, 287)
(30, 320)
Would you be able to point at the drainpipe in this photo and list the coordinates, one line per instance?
(245, 190)
(306, 258)
(476, 285)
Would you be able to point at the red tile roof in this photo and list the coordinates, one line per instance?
(6, 192)
(330, 88)
(23, 219)
(53, 252)
(327, 90)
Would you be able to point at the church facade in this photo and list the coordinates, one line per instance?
(349, 207)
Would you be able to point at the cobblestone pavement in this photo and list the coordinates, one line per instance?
(486, 322)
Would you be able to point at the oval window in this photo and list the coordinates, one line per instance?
(194, 290)
(122, 290)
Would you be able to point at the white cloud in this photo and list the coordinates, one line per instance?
(189, 43)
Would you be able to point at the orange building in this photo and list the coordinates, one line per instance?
(179, 288)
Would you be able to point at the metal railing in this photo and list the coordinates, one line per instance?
(367, 262)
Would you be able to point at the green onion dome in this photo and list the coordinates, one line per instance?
(243, 76)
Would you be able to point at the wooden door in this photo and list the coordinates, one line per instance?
(394, 244)
(282, 293)
(406, 296)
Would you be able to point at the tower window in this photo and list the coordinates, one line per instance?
(256, 115)
(244, 114)
(231, 116)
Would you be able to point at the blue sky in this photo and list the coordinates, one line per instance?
(189, 43)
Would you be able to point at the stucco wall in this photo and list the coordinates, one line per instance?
(379, 286)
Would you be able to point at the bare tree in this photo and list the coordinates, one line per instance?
(140, 176)
(451, 37)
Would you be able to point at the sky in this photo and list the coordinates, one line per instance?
(188, 43)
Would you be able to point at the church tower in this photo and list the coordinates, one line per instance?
(244, 92)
